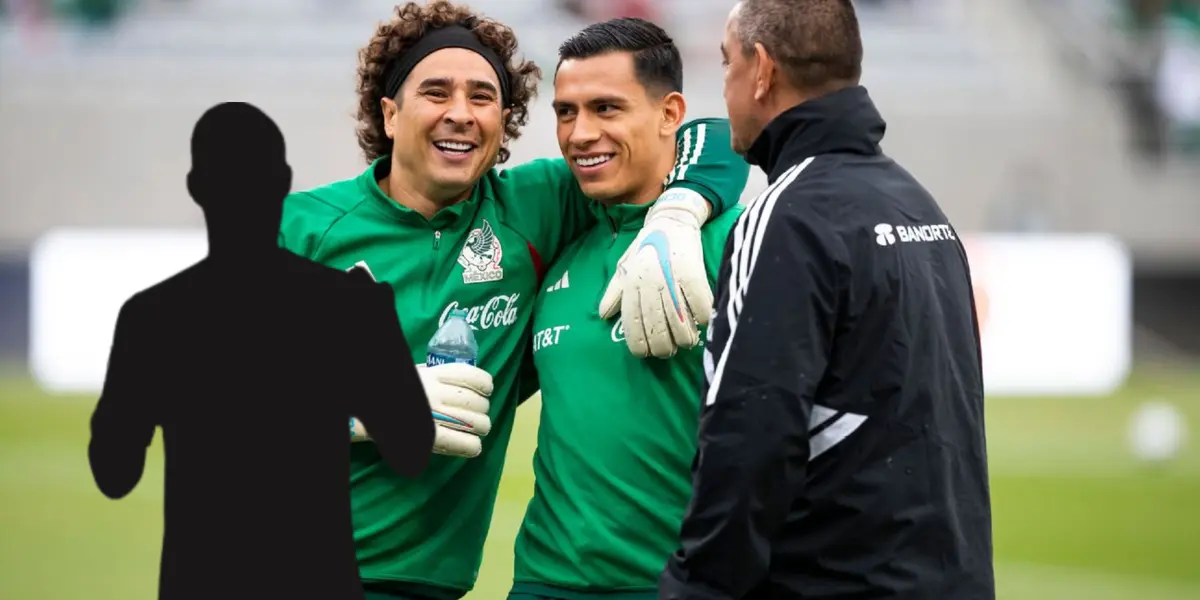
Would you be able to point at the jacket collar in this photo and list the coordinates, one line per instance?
(845, 121)
(444, 217)
(622, 217)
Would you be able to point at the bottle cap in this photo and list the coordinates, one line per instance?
(458, 312)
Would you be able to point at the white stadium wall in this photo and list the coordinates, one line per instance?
(1056, 311)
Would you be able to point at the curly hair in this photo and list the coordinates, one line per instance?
(410, 23)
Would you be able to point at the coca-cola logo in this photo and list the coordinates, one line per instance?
(498, 311)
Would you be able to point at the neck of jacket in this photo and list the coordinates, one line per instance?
(845, 121)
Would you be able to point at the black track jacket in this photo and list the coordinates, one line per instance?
(841, 448)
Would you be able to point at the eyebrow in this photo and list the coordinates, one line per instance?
(448, 82)
(559, 104)
(608, 100)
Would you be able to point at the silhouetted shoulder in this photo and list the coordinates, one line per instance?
(308, 215)
(176, 288)
(148, 313)
(326, 277)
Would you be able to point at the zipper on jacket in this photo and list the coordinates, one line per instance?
(426, 293)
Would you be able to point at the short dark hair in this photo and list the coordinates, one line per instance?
(656, 60)
(816, 42)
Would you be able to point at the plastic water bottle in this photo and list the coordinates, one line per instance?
(454, 342)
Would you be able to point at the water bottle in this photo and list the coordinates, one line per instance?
(454, 342)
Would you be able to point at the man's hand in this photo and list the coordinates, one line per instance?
(459, 396)
(661, 286)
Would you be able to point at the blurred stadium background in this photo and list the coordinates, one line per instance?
(1061, 136)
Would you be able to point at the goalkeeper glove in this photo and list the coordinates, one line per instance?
(458, 394)
(661, 286)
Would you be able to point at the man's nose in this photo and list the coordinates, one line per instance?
(584, 131)
(459, 112)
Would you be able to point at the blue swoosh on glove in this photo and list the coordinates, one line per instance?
(437, 416)
(658, 241)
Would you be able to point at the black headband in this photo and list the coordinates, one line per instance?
(453, 36)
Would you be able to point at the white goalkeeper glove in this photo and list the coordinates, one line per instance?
(661, 286)
(459, 396)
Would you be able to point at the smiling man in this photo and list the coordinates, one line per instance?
(617, 433)
(441, 95)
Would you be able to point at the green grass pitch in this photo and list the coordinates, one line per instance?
(1076, 515)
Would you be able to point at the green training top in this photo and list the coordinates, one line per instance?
(484, 255)
(617, 433)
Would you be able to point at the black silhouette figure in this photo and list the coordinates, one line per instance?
(252, 361)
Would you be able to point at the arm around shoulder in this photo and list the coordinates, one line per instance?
(662, 286)
(706, 164)
(543, 202)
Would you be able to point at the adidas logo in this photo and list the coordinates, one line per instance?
(562, 284)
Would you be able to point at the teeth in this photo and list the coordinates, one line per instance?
(453, 146)
(592, 161)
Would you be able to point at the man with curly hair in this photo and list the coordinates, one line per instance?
(440, 97)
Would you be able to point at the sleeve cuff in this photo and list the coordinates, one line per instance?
(689, 197)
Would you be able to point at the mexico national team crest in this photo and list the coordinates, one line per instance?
(480, 256)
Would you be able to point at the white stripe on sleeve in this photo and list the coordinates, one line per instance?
(748, 240)
(701, 132)
(834, 433)
(684, 150)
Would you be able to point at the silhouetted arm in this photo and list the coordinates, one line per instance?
(392, 404)
(123, 422)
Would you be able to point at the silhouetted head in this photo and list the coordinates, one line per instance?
(436, 77)
(779, 53)
(239, 175)
(619, 103)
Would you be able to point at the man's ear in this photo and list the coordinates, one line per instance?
(765, 69)
(504, 114)
(195, 188)
(674, 110)
(285, 179)
(389, 113)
